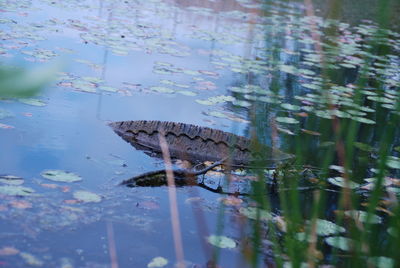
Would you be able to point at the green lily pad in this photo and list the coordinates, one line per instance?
(61, 176)
(162, 89)
(339, 242)
(33, 102)
(16, 190)
(290, 107)
(363, 120)
(221, 241)
(5, 114)
(87, 197)
(382, 262)
(339, 181)
(251, 213)
(362, 216)
(11, 180)
(363, 146)
(157, 262)
(393, 162)
(287, 120)
(325, 228)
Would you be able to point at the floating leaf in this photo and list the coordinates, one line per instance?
(339, 181)
(251, 213)
(339, 242)
(362, 216)
(363, 120)
(30, 259)
(11, 180)
(221, 241)
(5, 114)
(393, 162)
(290, 107)
(287, 120)
(60, 175)
(16, 190)
(157, 262)
(162, 89)
(87, 197)
(382, 262)
(363, 146)
(33, 102)
(325, 228)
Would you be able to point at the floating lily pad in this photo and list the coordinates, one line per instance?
(325, 228)
(31, 259)
(11, 180)
(381, 262)
(61, 176)
(162, 89)
(5, 114)
(339, 181)
(87, 197)
(221, 241)
(157, 262)
(287, 120)
(339, 242)
(16, 190)
(362, 216)
(251, 213)
(393, 162)
(33, 102)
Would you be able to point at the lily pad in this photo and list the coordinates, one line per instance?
(61, 176)
(87, 197)
(325, 228)
(16, 190)
(221, 241)
(339, 242)
(157, 262)
(393, 162)
(287, 120)
(5, 114)
(339, 181)
(251, 213)
(33, 102)
(11, 180)
(362, 216)
(382, 262)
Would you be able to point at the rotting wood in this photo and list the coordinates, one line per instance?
(194, 143)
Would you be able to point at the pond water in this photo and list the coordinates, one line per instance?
(197, 62)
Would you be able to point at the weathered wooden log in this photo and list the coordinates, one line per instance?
(195, 143)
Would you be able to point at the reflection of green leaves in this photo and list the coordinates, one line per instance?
(221, 241)
(61, 176)
(25, 83)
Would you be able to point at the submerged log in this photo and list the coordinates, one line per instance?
(195, 143)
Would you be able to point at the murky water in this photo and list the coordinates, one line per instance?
(128, 60)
